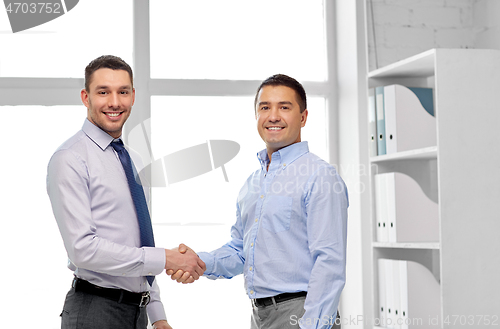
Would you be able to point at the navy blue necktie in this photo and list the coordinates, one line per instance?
(145, 227)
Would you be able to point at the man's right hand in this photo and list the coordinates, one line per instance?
(186, 260)
(181, 276)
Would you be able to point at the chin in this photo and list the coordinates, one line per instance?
(275, 146)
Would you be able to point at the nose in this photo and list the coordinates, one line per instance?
(113, 100)
(274, 115)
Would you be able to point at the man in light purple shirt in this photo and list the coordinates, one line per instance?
(94, 210)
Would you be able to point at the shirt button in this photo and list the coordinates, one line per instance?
(150, 273)
(284, 164)
(251, 292)
(251, 244)
(262, 196)
(251, 268)
(256, 220)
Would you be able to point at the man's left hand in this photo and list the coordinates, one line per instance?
(161, 324)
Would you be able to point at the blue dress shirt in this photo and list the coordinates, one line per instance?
(95, 213)
(290, 233)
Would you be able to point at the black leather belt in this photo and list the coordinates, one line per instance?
(140, 299)
(261, 302)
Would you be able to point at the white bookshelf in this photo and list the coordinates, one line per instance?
(461, 173)
(407, 245)
(427, 153)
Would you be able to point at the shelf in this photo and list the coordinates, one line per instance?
(427, 153)
(407, 245)
(465, 179)
(421, 65)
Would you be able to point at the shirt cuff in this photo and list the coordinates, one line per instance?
(154, 261)
(209, 261)
(156, 311)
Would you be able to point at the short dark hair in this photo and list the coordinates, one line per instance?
(285, 80)
(108, 62)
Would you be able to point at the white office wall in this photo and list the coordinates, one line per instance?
(486, 15)
(353, 155)
(401, 28)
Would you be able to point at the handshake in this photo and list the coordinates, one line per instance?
(183, 264)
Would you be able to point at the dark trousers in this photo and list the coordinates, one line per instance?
(85, 311)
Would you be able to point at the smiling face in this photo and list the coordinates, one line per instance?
(278, 117)
(109, 100)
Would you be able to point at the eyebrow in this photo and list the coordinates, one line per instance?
(107, 87)
(281, 103)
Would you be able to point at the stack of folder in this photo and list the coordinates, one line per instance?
(409, 296)
(403, 212)
(400, 119)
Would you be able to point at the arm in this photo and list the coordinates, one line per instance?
(155, 309)
(326, 210)
(68, 188)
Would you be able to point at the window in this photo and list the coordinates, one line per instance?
(32, 250)
(63, 47)
(238, 40)
(197, 65)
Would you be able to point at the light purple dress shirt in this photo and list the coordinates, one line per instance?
(95, 213)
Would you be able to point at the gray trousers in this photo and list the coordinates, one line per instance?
(286, 315)
(85, 311)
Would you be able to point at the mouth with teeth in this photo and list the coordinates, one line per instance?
(275, 128)
(113, 115)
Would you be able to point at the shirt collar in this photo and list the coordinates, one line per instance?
(286, 155)
(96, 134)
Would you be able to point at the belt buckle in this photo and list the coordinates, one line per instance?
(145, 299)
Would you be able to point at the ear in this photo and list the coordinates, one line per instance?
(85, 97)
(303, 118)
(133, 96)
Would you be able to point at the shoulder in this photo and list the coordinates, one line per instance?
(70, 151)
(323, 177)
(316, 166)
(72, 143)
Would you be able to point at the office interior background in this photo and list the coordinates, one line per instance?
(197, 65)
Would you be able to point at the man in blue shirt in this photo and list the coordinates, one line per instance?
(289, 239)
(96, 214)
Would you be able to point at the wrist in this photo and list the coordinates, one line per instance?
(168, 255)
(161, 324)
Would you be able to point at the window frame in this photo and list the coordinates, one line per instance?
(66, 91)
